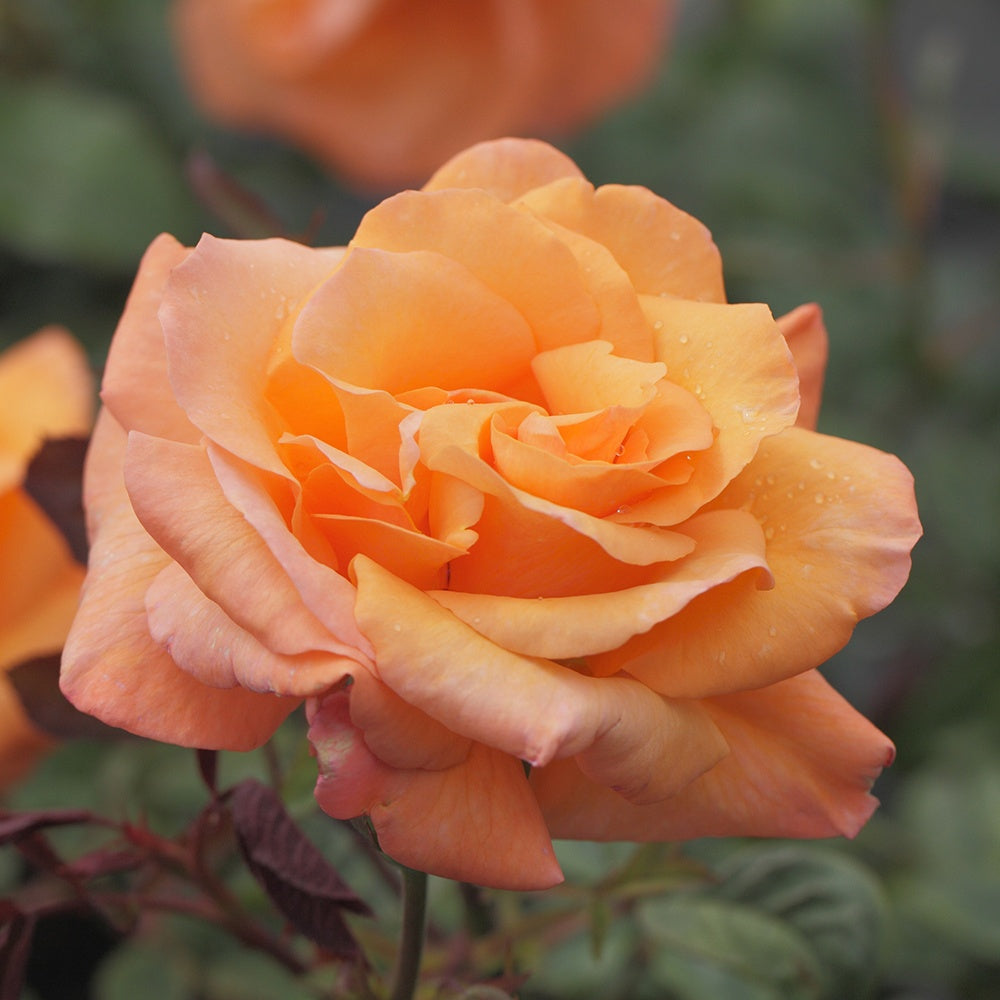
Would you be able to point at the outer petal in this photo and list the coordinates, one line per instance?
(840, 520)
(223, 313)
(532, 709)
(729, 544)
(112, 668)
(475, 822)
(136, 388)
(662, 249)
(176, 496)
(805, 334)
(507, 168)
(802, 763)
(46, 390)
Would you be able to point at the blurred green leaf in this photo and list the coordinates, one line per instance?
(142, 970)
(703, 947)
(86, 179)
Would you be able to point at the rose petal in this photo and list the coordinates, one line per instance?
(475, 822)
(380, 321)
(530, 708)
(801, 764)
(511, 252)
(46, 390)
(177, 498)
(222, 313)
(805, 334)
(507, 168)
(111, 666)
(202, 640)
(840, 520)
(136, 388)
(728, 544)
(662, 249)
(735, 361)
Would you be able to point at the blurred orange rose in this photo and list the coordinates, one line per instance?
(384, 91)
(506, 480)
(46, 390)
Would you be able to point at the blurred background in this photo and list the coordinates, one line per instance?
(844, 152)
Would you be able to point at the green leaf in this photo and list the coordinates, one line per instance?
(704, 947)
(142, 970)
(831, 900)
(86, 179)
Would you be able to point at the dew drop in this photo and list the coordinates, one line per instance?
(769, 532)
(658, 325)
(683, 338)
(819, 498)
(623, 509)
(770, 480)
(397, 627)
(815, 463)
(772, 631)
(802, 484)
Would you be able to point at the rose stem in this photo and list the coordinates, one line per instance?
(411, 941)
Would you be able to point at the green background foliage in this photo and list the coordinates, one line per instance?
(845, 152)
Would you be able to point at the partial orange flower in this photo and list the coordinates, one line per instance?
(383, 91)
(505, 482)
(46, 391)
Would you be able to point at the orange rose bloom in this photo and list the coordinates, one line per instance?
(383, 91)
(506, 480)
(46, 390)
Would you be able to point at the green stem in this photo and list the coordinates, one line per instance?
(411, 943)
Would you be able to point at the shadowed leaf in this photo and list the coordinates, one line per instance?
(298, 879)
(37, 685)
(16, 931)
(18, 824)
(54, 480)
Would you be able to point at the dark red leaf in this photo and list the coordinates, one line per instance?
(54, 480)
(102, 862)
(16, 931)
(299, 880)
(208, 768)
(37, 685)
(14, 825)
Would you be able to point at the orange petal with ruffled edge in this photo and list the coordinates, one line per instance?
(111, 666)
(840, 520)
(532, 709)
(177, 498)
(805, 333)
(136, 387)
(736, 363)
(474, 822)
(206, 643)
(507, 168)
(728, 544)
(46, 390)
(663, 250)
(801, 764)
(223, 312)
(399, 321)
(511, 252)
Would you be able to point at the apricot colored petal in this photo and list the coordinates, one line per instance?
(510, 251)
(662, 249)
(728, 544)
(623, 323)
(399, 734)
(46, 390)
(507, 168)
(840, 520)
(323, 591)
(111, 666)
(475, 822)
(735, 361)
(530, 708)
(205, 642)
(223, 312)
(177, 498)
(801, 764)
(411, 555)
(805, 333)
(582, 377)
(39, 582)
(453, 509)
(400, 321)
(543, 521)
(597, 488)
(136, 387)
